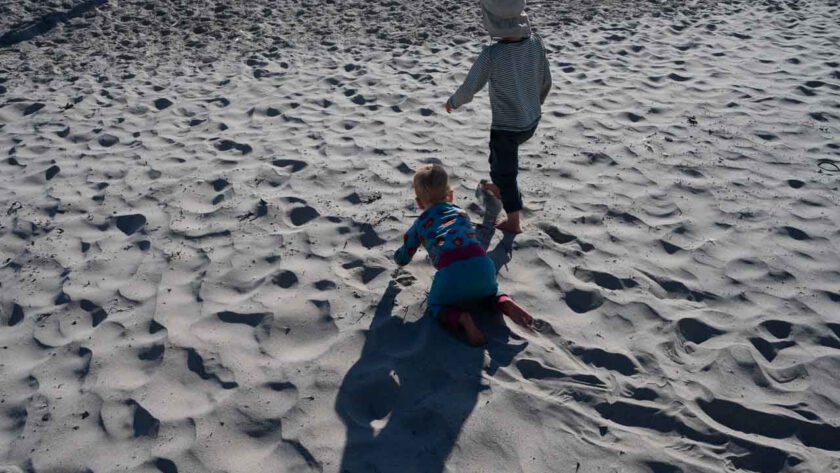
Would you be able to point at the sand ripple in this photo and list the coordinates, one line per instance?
(196, 224)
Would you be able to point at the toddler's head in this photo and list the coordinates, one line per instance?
(431, 186)
(505, 19)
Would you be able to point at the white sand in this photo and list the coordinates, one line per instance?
(199, 202)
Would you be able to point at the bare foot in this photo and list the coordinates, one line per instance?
(493, 189)
(509, 226)
(516, 313)
(474, 335)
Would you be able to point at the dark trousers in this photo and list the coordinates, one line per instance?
(504, 164)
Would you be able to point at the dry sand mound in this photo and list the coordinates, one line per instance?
(199, 201)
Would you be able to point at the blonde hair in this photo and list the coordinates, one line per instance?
(431, 184)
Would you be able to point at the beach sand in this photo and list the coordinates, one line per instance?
(199, 202)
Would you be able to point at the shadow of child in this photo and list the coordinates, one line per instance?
(406, 399)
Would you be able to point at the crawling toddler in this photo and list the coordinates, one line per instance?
(466, 276)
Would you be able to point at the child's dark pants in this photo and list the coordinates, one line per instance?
(504, 164)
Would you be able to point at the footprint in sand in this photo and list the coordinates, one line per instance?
(195, 363)
(162, 103)
(696, 331)
(607, 360)
(325, 285)
(165, 465)
(32, 108)
(252, 320)
(152, 353)
(107, 140)
(795, 233)
(97, 314)
(143, 423)
(778, 328)
(129, 224)
(581, 301)
(605, 280)
(303, 215)
(769, 350)
(228, 145)
(285, 279)
(16, 316)
(51, 172)
(534, 370)
(560, 237)
(368, 273)
(219, 184)
(294, 164)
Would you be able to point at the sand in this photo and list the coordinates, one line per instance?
(199, 202)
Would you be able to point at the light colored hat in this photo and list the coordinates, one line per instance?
(505, 18)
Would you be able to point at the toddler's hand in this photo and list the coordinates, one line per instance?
(448, 106)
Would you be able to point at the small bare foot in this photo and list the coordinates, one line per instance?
(474, 335)
(493, 189)
(516, 313)
(509, 226)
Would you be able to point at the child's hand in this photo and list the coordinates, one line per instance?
(448, 106)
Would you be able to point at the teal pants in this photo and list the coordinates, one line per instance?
(463, 282)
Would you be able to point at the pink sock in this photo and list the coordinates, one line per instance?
(502, 298)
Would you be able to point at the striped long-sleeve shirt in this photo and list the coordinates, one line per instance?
(519, 82)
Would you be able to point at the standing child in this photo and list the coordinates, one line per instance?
(517, 69)
(466, 275)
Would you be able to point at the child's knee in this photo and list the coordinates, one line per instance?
(449, 317)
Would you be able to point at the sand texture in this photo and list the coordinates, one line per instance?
(199, 201)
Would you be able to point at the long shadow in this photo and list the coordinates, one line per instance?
(406, 399)
(33, 29)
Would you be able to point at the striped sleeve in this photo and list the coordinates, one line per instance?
(475, 80)
(546, 78)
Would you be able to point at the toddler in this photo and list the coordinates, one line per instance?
(517, 69)
(466, 275)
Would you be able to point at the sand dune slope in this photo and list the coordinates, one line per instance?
(199, 202)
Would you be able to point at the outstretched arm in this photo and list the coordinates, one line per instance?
(411, 241)
(475, 81)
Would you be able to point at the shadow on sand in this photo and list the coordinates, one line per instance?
(40, 26)
(405, 401)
